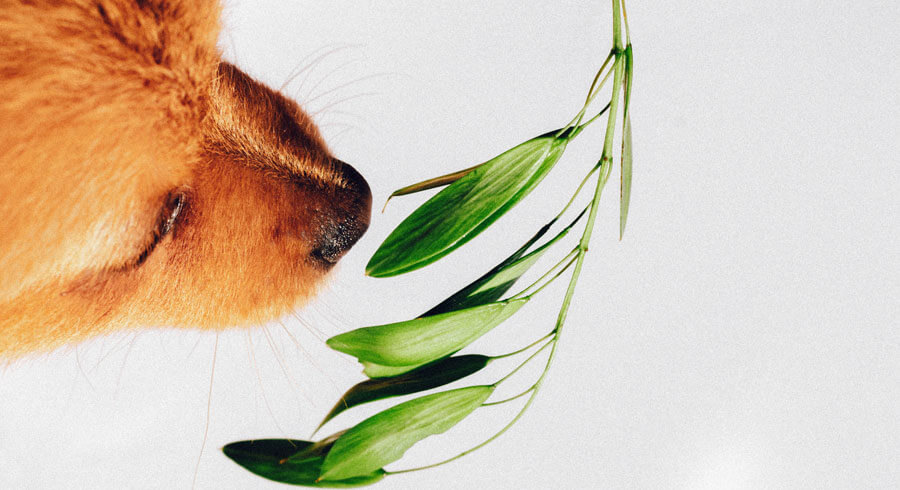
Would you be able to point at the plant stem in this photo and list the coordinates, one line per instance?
(577, 191)
(592, 119)
(507, 400)
(617, 26)
(523, 363)
(523, 349)
(592, 93)
(544, 275)
(538, 290)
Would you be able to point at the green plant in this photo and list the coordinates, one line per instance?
(417, 355)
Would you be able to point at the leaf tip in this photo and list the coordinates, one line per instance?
(387, 201)
(376, 269)
(336, 343)
(374, 272)
(375, 266)
(371, 269)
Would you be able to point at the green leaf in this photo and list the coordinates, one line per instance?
(385, 437)
(374, 370)
(468, 206)
(427, 377)
(425, 339)
(491, 286)
(276, 459)
(625, 185)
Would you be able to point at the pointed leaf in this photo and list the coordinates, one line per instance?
(385, 437)
(491, 286)
(424, 339)
(468, 206)
(374, 370)
(625, 186)
(272, 459)
(625, 198)
(425, 378)
(429, 184)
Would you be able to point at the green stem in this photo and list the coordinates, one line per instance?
(544, 275)
(592, 119)
(538, 290)
(617, 26)
(523, 363)
(507, 400)
(577, 191)
(523, 349)
(592, 94)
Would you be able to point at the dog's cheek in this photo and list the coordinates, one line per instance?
(237, 256)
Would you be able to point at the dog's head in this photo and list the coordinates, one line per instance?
(147, 182)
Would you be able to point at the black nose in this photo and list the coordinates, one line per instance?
(346, 220)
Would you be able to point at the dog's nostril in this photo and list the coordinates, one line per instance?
(336, 238)
(346, 220)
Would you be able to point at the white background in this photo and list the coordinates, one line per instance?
(743, 335)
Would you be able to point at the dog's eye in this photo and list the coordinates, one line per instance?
(173, 208)
(168, 217)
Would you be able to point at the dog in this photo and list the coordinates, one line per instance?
(145, 182)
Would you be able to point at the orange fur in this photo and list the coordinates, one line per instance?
(111, 108)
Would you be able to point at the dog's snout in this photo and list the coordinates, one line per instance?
(342, 225)
(353, 180)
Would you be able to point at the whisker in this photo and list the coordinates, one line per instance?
(112, 349)
(199, 338)
(301, 66)
(337, 138)
(309, 68)
(341, 101)
(329, 316)
(234, 51)
(308, 97)
(124, 360)
(343, 85)
(337, 125)
(349, 114)
(321, 319)
(307, 354)
(309, 326)
(212, 377)
(283, 365)
(81, 368)
(262, 389)
(321, 336)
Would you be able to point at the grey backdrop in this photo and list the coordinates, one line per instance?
(743, 335)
